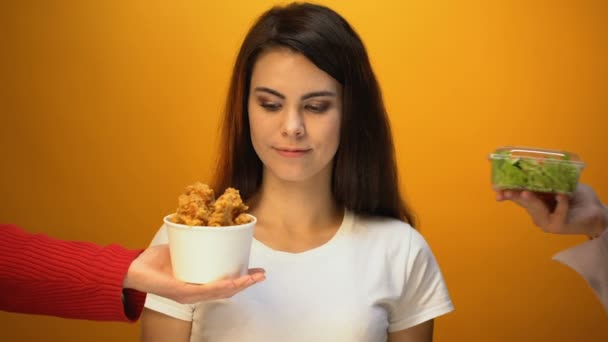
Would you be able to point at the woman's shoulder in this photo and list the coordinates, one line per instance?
(395, 237)
(386, 227)
(382, 223)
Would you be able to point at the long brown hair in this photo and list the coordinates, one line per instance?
(365, 178)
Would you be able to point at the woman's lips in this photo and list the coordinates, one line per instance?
(291, 152)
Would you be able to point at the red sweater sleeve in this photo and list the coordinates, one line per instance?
(46, 276)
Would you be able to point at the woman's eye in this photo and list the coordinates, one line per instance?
(317, 108)
(270, 106)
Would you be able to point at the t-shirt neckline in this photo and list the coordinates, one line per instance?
(345, 226)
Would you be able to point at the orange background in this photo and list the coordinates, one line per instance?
(109, 108)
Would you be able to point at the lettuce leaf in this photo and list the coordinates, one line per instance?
(540, 175)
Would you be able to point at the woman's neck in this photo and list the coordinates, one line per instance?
(298, 207)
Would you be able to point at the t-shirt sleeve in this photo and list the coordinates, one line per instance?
(164, 305)
(424, 294)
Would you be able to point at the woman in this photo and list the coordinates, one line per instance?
(307, 142)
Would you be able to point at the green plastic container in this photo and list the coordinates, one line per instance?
(535, 169)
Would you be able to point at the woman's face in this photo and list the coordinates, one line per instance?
(295, 112)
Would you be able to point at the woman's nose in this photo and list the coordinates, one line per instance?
(293, 124)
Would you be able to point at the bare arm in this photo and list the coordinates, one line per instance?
(582, 213)
(157, 327)
(422, 332)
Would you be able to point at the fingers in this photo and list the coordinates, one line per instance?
(257, 274)
(560, 214)
(500, 195)
(238, 284)
(241, 284)
(512, 195)
(220, 289)
(535, 203)
(255, 271)
(254, 275)
(536, 208)
(548, 211)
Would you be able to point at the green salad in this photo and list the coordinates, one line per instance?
(555, 175)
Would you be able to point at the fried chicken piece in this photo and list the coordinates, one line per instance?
(242, 219)
(194, 206)
(197, 207)
(228, 207)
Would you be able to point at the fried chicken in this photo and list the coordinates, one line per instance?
(197, 207)
(227, 208)
(194, 205)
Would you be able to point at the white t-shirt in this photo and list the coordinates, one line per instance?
(376, 275)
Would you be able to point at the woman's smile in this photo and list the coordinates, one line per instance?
(292, 152)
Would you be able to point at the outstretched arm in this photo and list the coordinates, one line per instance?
(46, 276)
(82, 280)
(582, 213)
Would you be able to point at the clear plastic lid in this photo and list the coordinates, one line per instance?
(513, 152)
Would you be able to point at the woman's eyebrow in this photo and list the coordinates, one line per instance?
(270, 91)
(304, 97)
(318, 93)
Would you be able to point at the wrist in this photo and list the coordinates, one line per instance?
(603, 224)
(131, 275)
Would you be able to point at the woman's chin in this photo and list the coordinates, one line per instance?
(292, 176)
(296, 173)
